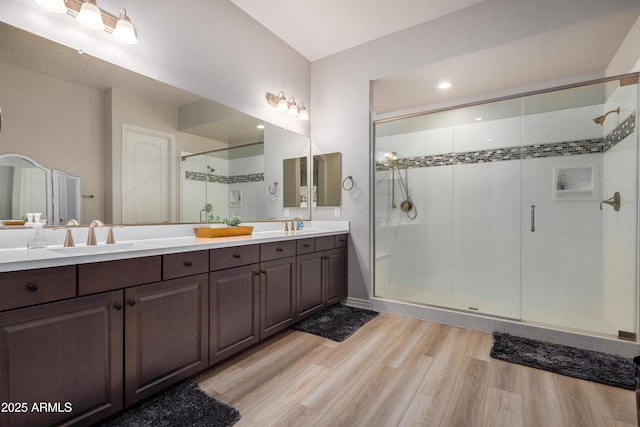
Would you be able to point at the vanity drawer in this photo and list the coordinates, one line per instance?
(275, 250)
(30, 287)
(340, 240)
(184, 264)
(233, 257)
(111, 275)
(305, 246)
(324, 243)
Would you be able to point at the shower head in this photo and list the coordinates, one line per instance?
(600, 120)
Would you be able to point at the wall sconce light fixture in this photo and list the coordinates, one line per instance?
(280, 102)
(88, 14)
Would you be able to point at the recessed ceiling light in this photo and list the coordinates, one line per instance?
(478, 119)
(489, 139)
(444, 85)
(260, 126)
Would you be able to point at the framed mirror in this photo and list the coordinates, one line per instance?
(24, 187)
(93, 116)
(327, 179)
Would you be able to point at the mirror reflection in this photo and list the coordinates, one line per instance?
(327, 179)
(125, 136)
(296, 192)
(23, 187)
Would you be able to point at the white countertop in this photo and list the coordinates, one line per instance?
(140, 241)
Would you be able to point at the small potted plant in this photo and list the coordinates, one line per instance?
(233, 227)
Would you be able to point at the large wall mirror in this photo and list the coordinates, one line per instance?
(146, 152)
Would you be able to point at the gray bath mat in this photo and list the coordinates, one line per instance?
(183, 405)
(589, 365)
(337, 322)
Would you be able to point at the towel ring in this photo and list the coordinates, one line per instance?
(273, 188)
(344, 183)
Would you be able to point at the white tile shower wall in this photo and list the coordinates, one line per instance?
(562, 125)
(620, 228)
(562, 259)
(419, 250)
(486, 233)
(620, 231)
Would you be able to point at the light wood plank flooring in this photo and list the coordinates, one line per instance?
(397, 371)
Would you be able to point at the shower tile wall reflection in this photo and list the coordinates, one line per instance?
(473, 182)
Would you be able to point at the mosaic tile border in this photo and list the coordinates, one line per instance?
(534, 151)
(623, 130)
(221, 179)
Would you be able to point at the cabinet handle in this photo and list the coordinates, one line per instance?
(305, 245)
(279, 249)
(132, 302)
(188, 263)
(33, 287)
(263, 272)
(236, 256)
(117, 306)
(257, 273)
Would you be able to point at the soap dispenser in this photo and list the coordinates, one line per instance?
(37, 239)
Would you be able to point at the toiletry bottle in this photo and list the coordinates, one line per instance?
(37, 240)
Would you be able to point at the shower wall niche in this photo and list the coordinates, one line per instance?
(508, 195)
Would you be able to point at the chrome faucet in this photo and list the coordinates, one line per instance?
(91, 238)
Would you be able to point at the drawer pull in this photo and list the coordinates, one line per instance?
(305, 245)
(117, 306)
(340, 240)
(33, 287)
(132, 302)
(279, 249)
(236, 256)
(188, 263)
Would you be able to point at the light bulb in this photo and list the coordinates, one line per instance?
(282, 102)
(293, 108)
(124, 31)
(90, 16)
(302, 112)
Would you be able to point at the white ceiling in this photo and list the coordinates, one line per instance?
(318, 29)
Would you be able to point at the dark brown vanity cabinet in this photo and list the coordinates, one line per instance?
(321, 273)
(67, 354)
(277, 287)
(166, 334)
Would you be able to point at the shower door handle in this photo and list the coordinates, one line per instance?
(533, 218)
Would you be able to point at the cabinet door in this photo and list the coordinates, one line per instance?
(66, 354)
(234, 316)
(336, 275)
(277, 295)
(166, 334)
(309, 286)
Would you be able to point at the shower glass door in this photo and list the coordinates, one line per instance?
(508, 196)
(578, 260)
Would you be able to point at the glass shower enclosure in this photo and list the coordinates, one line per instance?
(522, 208)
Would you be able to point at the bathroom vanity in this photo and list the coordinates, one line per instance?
(84, 335)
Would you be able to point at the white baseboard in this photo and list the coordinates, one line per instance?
(358, 303)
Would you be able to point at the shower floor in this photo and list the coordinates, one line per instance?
(593, 323)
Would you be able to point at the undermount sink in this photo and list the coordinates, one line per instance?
(102, 248)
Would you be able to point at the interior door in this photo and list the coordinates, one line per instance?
(147, 171)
